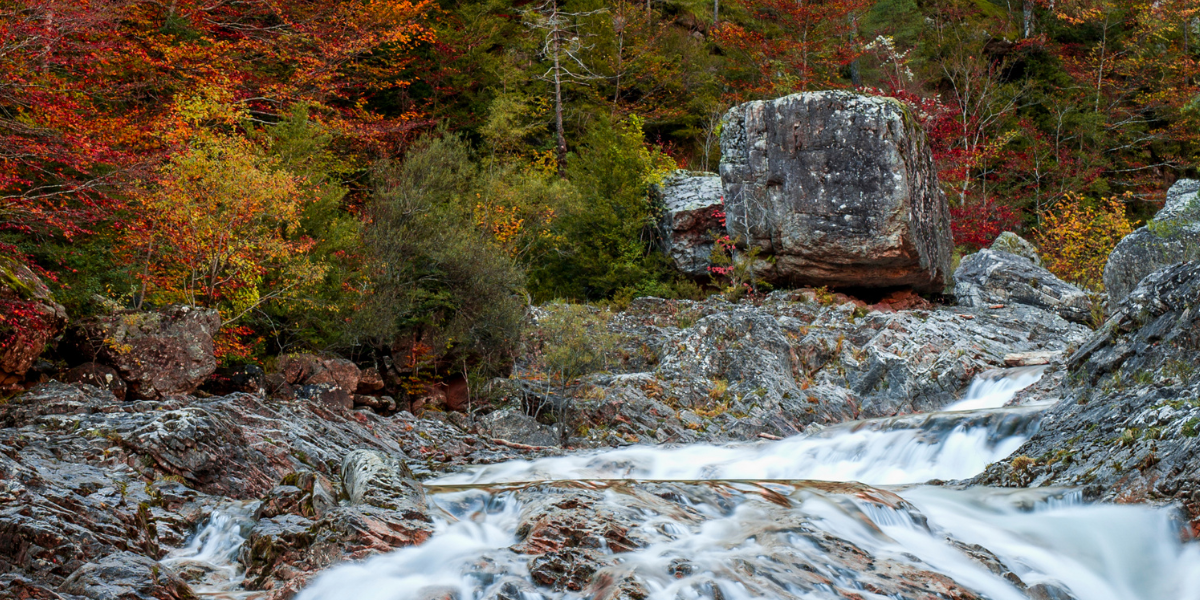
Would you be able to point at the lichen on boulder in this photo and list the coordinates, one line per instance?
(839, 188)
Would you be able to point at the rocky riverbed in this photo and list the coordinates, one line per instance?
(104, 498)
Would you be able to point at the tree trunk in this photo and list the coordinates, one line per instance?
(561, 153)
(1027, 10)
(716, 11)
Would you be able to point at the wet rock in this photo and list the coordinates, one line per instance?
(382, 480)
(1048, 591)
(840, 188)
(34, 317)
(247, 379)
(1126, 425)
(1014, 244)
(566, 570)
(98, 375)
(692, 205)
(1172, 236)
(158, 353)
(514, 426)
(557, 518)
(274, 537)
(126, 576)
(991, 277)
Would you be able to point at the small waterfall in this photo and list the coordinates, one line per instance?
(210, 559)
(766, 520)
(994, 389)
(747, 547)
(882, 451)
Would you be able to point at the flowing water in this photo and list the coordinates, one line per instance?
(771, 520)
(210, 559)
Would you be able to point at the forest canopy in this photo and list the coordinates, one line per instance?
(294, 164)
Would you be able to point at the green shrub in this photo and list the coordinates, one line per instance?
(438, 284)
(606, 235)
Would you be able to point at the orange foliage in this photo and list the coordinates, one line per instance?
(1077, 236)
(218, 222)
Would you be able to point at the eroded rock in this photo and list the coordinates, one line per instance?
(1172, 236)
(692, 209)
(127, 576)
(1126, 426)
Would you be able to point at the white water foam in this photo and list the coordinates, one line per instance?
(746, 546)
(1097, 552)
(867, 456)
(995, 388)
(212, 554)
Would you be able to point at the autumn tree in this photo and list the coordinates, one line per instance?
(217, 225)
(795, 46)
(1078, 234)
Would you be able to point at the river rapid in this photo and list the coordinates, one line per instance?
(845, 512)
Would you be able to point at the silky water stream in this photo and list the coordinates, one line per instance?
(838, 514)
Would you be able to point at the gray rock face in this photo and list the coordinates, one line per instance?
(1172, 236)
(992, 277)
(1127, 425)
(84, 477)
(158, 353)
(1014, 244)
(690, 203)
(714, 371)
(840, 188)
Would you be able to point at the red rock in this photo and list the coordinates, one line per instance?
(29, 318)
(97, 375)
(369, 381)
(157, 353)
(310, 369)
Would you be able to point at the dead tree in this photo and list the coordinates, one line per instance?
(563, 48)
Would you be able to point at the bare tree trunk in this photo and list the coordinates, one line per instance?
(620, 67)
(1027, 10)
(558, 107)
(716, 11)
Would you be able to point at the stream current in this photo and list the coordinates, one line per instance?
(841, 513)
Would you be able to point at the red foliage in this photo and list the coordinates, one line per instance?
(803, 47)
(978, 224)
(88, 87)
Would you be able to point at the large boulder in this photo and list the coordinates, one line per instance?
(840, 188)
(29, 318)
(1172, 236)
(157, 353)
(991, 277)
(692, 214)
